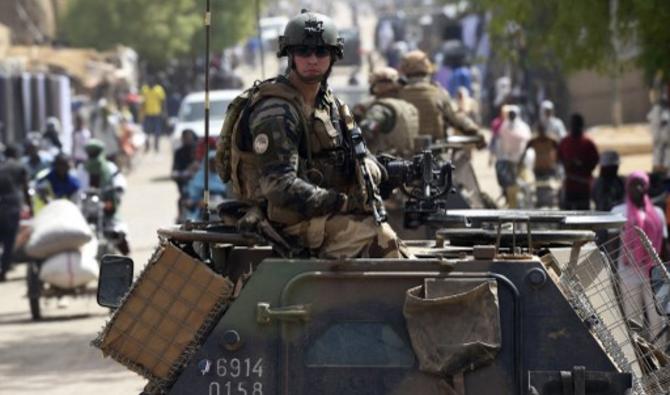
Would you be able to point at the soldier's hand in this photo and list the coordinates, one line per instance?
(374, 170)
(249, 221)
(353, 203)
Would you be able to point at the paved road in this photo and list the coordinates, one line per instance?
(54, 356)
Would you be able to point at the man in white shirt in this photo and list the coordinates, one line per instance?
(552, 124)
(510, 145)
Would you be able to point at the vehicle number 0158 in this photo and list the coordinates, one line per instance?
(241, 374)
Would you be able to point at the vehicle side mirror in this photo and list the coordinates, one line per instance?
(660, 286)
(116, 276)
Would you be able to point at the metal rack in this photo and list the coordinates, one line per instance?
(610, 289)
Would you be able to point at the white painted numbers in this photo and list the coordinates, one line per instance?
(241, 374)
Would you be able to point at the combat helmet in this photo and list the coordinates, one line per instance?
(384, 74)
(416, 63)
(311, 29)
(388, 74)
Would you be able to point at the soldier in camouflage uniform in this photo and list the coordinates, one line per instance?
(436, 114)
(291, 152)
(436, 110)
(390, 124)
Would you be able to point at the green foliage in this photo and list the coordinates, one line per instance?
(650, 26)
(232, 20)
(159, 30)
(578, 32)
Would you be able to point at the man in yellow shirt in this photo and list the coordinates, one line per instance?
(153, 97)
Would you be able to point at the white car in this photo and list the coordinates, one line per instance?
(192, 113)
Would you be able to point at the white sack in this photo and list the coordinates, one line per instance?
(71, 269)
(58, 227)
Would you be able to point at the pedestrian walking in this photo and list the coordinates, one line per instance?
(634, 266)
(13, 191)
(609, 188)
(512, 140)
(153, 96)
(659, 123)
(551, 123)
(545, 166)
(579, 157)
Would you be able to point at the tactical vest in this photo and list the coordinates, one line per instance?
(425, 97)
(400, 139)
(324, 158)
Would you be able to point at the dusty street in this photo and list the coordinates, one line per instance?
(54, 356)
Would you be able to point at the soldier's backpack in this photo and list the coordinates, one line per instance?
(233, 164)
(223, 146)
(400, 139)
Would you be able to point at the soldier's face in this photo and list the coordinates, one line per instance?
(311, 63)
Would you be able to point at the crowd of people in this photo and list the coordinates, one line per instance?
(39, 172)
(562, 162)
(104, 140)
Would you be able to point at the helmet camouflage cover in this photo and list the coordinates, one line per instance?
(311, 29)
(416, 62)
(383, 74)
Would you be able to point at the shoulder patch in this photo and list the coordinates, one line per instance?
(261, 143)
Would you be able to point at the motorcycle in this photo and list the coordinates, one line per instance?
(99, 208)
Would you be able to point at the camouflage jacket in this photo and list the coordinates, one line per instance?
(303, 156)
(390, 126)
(435, 108)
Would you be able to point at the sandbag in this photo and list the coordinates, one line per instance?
(71, 269)
(453, 324)
(58, 227)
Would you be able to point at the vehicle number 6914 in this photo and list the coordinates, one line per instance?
(241, 374)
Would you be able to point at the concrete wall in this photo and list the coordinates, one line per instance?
(591, 95)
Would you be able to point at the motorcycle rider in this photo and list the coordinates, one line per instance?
(184, 165)
(292, 155)
(59, 183)
(100, 174)
(194, 190)
(34, 158)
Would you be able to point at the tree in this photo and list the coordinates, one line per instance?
(232, 21)
(580, 33)
(158, 30)
(649, 26)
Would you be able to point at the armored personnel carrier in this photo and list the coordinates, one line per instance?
(499, 302)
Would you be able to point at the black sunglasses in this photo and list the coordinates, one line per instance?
(305, 51)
